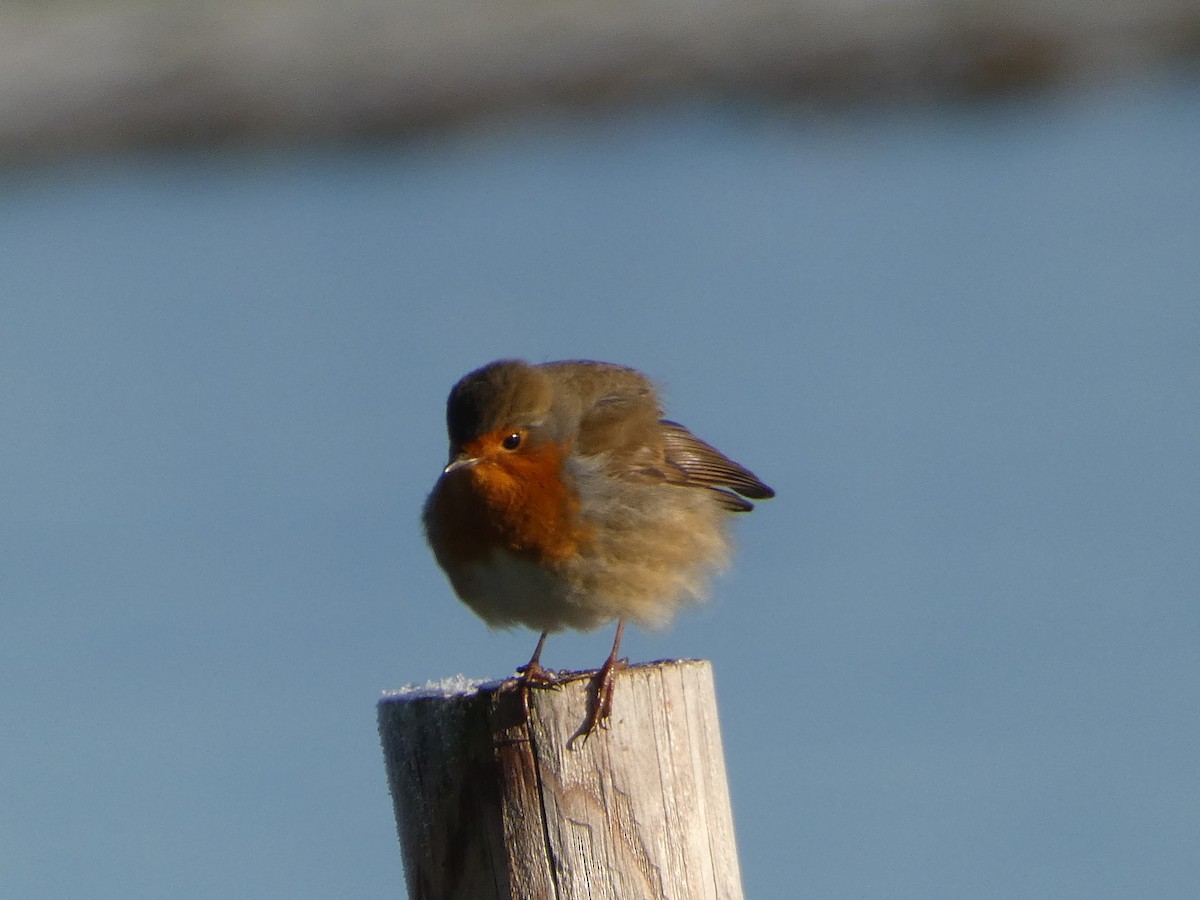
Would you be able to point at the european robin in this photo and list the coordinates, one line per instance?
(569, 502)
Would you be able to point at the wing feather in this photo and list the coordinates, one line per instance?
(703, 465)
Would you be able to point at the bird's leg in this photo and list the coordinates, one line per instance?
(603, 685)
(532, 673)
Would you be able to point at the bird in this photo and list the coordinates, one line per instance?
(570, 502)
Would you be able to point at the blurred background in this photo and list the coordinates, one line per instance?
(930, 267)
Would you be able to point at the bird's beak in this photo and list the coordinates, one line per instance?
(461, 461)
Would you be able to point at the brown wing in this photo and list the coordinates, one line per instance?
(618, 414)
(693, 462)
(616, 410)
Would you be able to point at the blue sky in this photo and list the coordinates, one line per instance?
(957, 656)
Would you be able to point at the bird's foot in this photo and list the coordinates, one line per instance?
(534, 676)
(601, 698)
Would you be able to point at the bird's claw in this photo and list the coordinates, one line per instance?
(600, 707)
(534, 674)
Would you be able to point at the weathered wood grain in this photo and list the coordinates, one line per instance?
(491, 803)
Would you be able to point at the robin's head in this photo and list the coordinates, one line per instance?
(497, 410)
(504, 485)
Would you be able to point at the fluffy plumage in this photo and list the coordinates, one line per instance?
(569, 501)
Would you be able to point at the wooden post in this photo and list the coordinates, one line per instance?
(493, 804)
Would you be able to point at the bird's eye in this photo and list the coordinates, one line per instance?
(512, 442)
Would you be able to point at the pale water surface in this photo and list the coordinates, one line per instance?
(958, 657)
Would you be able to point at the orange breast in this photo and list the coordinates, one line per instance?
(514, 501)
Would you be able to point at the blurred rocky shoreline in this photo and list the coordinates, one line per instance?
(83, 77)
